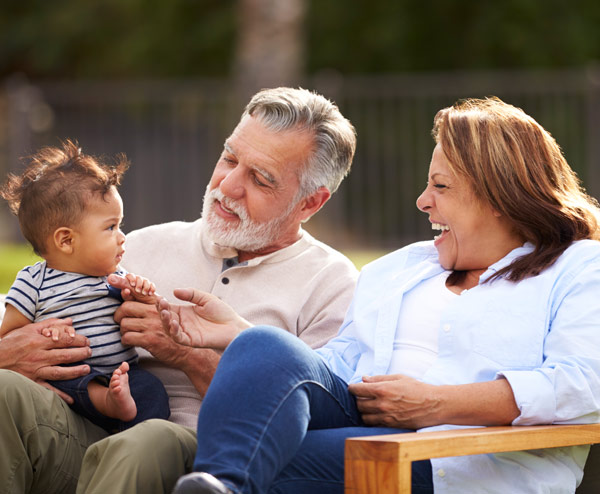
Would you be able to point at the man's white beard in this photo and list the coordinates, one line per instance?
(247, 235)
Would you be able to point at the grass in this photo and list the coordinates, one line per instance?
(15, 257)
(12, 259)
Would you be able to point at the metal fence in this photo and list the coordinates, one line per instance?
(173, 132)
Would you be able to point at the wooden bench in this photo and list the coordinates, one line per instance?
(382, 464)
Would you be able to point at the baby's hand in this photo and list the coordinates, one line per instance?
(54, 332)
(140, 285)
(134, 287)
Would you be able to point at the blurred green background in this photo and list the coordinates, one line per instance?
(187, 38)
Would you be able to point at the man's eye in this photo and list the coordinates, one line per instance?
(259, 182)
(229, 161)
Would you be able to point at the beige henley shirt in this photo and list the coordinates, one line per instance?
(304, 288)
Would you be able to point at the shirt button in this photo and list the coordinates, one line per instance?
(229, 262)
(225, 281)
(441, 472)
(446, 327)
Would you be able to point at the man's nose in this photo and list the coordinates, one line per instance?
(232, 184)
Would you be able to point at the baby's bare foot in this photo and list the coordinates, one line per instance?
(119, 402)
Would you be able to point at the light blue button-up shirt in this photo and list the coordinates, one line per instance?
(541, 334)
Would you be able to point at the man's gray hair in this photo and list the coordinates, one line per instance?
(284, 108)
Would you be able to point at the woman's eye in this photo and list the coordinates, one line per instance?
(439, 186)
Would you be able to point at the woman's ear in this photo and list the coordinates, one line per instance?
(63, 239)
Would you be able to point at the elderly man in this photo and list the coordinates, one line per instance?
(288, 154)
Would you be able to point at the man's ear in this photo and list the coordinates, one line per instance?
(63, 239)
(312, 203)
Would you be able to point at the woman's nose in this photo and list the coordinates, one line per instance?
(423, 201)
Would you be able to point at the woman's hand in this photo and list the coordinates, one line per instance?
(401, 401)
(396, 401)
(208, 323)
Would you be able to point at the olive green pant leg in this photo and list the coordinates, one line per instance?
(43, 440)
(146, 459)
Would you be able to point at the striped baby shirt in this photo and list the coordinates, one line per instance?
(40, 292)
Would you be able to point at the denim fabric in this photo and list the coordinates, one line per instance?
(270, 389)
(148, 392)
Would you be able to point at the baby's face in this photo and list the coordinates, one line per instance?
(99, 239)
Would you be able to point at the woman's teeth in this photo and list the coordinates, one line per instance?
(439, 226)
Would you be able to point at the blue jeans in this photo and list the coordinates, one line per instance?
(147, 390)
(275, 419)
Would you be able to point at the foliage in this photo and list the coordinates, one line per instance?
(179, 38)
(116, 38)
(407, 35)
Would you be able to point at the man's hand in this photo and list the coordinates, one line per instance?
(141, 326)
(396, 401)
(208, 323)
(27, 351)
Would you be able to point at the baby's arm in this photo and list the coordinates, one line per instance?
(13, 319)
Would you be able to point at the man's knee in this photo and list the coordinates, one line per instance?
(154, 437)
(148, 457)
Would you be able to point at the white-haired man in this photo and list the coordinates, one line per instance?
(288, 154)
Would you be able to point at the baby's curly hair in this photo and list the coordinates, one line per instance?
(54, 189)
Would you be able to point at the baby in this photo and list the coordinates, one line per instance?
(70, 212)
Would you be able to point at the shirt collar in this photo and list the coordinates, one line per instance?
(521, 251)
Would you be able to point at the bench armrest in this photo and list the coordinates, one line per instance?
(382, 464)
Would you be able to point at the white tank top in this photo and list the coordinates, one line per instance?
(416, 340)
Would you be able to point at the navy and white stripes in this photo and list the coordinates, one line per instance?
(40, 293)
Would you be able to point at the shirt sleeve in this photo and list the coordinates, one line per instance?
(323, 313)
(23, 294)
(566, 388)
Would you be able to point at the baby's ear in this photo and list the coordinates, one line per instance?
(63, 239)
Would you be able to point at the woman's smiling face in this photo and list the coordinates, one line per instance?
(473, 235)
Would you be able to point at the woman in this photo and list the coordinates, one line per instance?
(494, 322)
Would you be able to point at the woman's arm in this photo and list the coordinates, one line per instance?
(401, 401)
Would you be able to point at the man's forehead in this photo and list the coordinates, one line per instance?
(266, 149)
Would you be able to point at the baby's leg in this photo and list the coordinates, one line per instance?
(116, 400)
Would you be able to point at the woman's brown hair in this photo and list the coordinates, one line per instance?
(516, 166)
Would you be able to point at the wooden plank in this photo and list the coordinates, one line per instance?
(382, 464)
